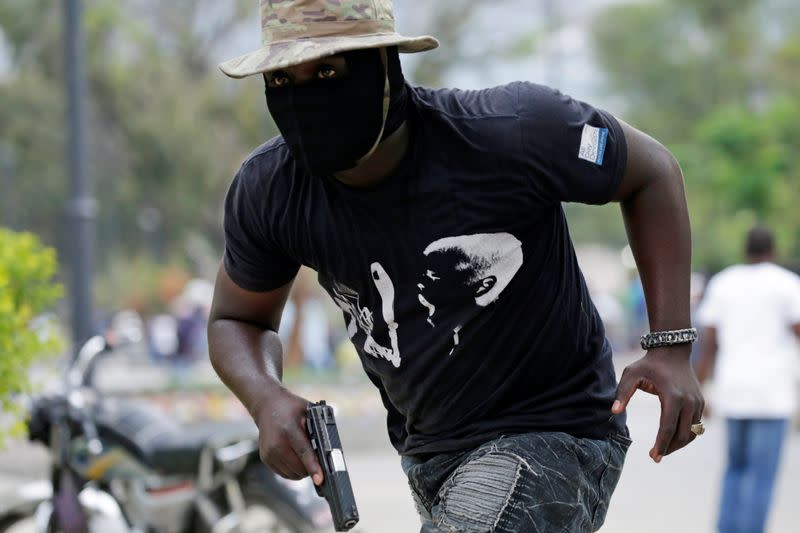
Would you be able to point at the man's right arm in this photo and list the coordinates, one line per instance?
(708, 354)
(246, 353)
(793, 293)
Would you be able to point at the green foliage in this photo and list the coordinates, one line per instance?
(141, 284)
(786, 65)
(166, 129)
(743, 169)
(453, 23)
(716, 81)
(26, 291)
(677, 60)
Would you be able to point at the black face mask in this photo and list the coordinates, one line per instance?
(398, 93)
(330, 124)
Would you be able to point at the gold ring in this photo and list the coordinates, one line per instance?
(698, 429)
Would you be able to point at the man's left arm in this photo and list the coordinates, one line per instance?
(654, 208)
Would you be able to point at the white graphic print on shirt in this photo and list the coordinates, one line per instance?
(460, 271)
(467, 270)
(348, 301)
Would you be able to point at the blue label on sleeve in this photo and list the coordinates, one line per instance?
(601, 146)
(593, 144)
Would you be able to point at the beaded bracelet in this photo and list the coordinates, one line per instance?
(668, 338)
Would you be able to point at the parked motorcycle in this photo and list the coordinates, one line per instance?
(122, 466)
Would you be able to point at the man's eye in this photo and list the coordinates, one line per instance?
(326, 72)
(279, 79)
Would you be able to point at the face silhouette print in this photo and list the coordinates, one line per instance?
(464, 271)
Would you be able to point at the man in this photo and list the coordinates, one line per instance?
(751, 315)
(504, 411)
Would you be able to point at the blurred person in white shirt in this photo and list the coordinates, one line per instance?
(751, 320)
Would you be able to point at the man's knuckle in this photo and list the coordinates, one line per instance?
(700, 401)
(667, 430)
(265, 456)
(676, 393)
(631, 374)
(271, 453)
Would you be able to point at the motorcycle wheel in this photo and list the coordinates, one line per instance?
(25, 524)
(256, 481)
(258, 518)
(98, 520)
(96, 525)
(266, 510)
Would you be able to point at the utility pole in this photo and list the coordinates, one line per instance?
(81, 207)
(7, 170)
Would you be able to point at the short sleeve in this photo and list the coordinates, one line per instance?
(573, 151)
(793, 297)
(709, 311)
(253, 260)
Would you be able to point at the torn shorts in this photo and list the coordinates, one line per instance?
(534, 482)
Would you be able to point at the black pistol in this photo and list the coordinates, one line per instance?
(336, 487)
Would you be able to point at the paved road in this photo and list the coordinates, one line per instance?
(678, 495)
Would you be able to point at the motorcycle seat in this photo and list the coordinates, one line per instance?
(161, 443)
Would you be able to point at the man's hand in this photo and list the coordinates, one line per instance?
(283, 441)
(667, 373)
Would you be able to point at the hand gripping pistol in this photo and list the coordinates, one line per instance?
(336, 487)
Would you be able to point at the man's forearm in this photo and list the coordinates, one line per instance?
(657, 222)
(247, 358)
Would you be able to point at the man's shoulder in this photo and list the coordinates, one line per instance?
(529, 103)
(719, 282)
(268, 166)
(782, 274)
(271, 160)
(498, 101)
(265, 176)
(730, 274)
(766, 272)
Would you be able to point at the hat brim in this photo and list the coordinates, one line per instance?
(282, 54)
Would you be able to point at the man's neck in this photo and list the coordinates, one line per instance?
(377, 167)
(757, 260)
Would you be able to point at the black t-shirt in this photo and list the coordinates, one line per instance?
(456, 276)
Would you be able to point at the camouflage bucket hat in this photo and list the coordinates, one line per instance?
(296, 31)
